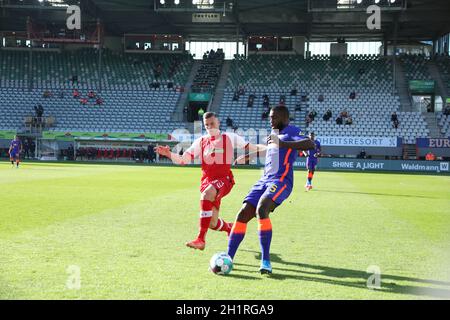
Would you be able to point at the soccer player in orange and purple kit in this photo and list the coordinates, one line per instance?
(312, 158)
(273, 188)
(15, 148)
(216, 152)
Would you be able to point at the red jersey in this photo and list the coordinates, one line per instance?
(216, 154)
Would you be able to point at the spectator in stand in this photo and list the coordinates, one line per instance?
(236, 96)
(339, 120)
(229, 122)
(61, 94)
(308, 119)
(394, 116)
(70, 152)
(321, 98)
(304, 97)
(83, 101)
(294, 91)
(394, 119)
(395, 124)
(91, 94)
(39, 111)
(447, 111)
(74, 80)
(352, 95)
(362, 154)
(312, 114)
(344, 114)
(158, 70)
(328, 115)
(155, 84)
(32, 147)
(241, 91)
(76, 93)
(349, 121)
(99, 101)
(282, 101)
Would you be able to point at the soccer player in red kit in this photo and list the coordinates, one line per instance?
(216, 152)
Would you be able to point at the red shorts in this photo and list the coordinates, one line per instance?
(222, 185)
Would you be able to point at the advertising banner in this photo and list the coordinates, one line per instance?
(379, 165)
(433, 143)
(392, 142)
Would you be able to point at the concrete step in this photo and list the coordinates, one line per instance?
(409, 152)
(402, 87)
(432, 124)
(177, 115)
(221, 86)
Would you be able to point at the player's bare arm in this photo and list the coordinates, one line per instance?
(184, 159)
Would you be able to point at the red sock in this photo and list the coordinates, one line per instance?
(205, 218)
(222, 226)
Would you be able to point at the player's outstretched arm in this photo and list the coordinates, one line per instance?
(176, 158)
(261, 148)
(304, 144)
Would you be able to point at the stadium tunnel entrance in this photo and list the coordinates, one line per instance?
(198, 102)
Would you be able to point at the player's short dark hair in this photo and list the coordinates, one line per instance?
(283, 110)
(209, 114)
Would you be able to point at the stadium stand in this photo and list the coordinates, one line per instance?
(369, 76)
(209, 72)
(444, 123)
(124, 111)
(129, 104)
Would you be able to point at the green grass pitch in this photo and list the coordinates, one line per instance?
(124, 229)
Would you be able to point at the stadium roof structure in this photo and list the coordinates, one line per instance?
(318, 20)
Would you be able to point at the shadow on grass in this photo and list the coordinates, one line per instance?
(336, 276)
(378, 194)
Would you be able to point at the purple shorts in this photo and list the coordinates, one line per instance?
(311, 164)
(275, 190)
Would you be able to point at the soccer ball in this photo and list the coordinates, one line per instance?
(221, 263)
